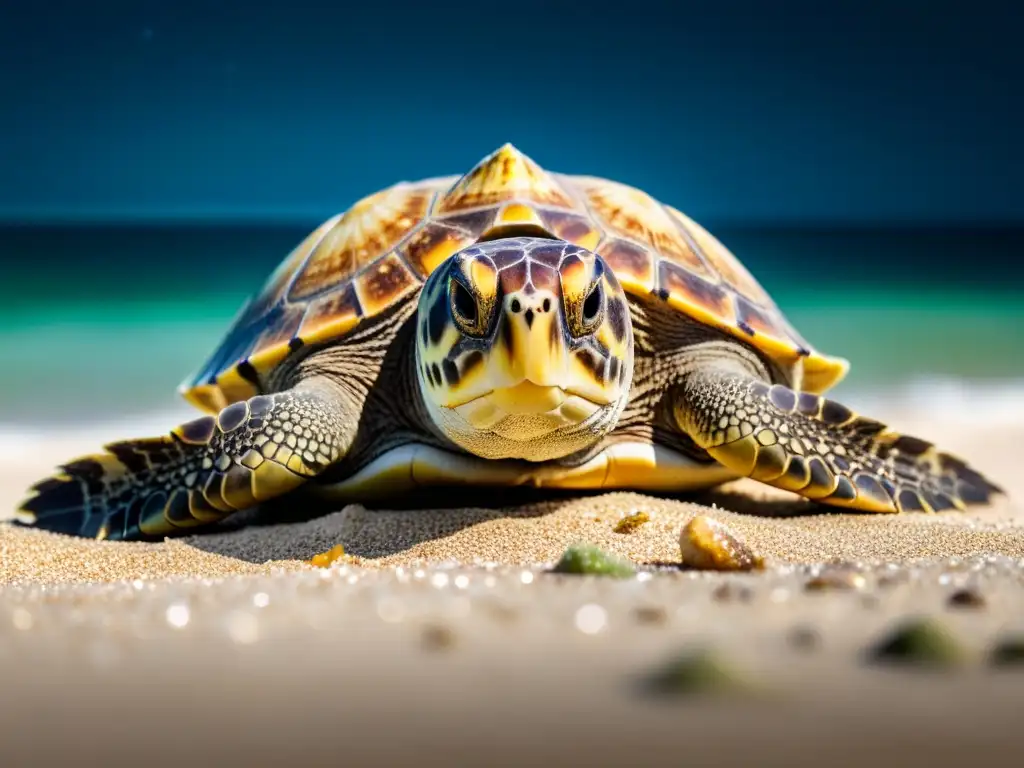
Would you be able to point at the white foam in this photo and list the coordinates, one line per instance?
(945, 399)
(22, 442)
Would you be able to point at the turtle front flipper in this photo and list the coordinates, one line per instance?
(200, 473)
(820, 449)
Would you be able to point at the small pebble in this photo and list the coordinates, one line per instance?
(588, 560)
(650, 614)
(920, 643)
(694, 672)
(1008, 652)
(966, 598)
(437, 638)
(707, 544)
(836, 579)
(804, 638)
(729, 591)
(506, 614)
(630, 523)
(870, 601)
(892, 580)
(324, 559)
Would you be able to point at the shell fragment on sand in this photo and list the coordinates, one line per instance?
(326, 559)
(707, 544)
(629, 523)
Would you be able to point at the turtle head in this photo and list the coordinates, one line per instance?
(524, 348)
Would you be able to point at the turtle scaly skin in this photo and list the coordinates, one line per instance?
(507, 327)
(819, 448)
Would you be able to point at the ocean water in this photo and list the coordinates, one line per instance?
(100, 324)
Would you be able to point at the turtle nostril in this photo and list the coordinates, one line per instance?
(516, 306)
(547, 305)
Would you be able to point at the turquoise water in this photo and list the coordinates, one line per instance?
(107, 323)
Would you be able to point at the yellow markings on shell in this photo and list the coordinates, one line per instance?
(633, 214)
(783, 351)
(205, 397)
(432, 258)
(234, 387)
(503, 175)
(592, 474)
(822, 372)
(698, 312)
(518, 213)
(635, 285)
(640, 466)
(721, 258)
(269, 358)
(330, 330)
(369, 229)
(382, 282)
(589, 240)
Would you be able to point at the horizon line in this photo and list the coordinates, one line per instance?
(40, 219)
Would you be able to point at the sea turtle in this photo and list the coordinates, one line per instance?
(510, 326)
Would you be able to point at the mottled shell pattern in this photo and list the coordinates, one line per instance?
(359, 263)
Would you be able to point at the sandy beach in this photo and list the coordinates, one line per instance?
(441, 636)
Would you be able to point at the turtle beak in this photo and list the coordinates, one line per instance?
(530, 336)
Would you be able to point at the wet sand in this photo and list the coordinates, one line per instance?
(442, 637)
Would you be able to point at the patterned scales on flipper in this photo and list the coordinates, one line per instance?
(822, 450)
(200, 473)
(361, 263)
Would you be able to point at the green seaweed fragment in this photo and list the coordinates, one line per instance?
(699, 671)
(1009, 652)
(920, 643)
(588, 560)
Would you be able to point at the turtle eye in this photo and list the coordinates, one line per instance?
(464, 309)
(583, 292)
(584, 317)
(592, 307)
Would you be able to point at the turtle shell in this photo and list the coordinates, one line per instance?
(359, 263)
